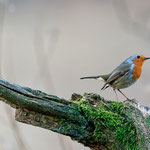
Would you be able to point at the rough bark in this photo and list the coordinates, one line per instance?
(89, 119)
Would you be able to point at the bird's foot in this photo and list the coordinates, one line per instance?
(131, 100)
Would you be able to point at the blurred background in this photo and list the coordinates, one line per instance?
(49, 44)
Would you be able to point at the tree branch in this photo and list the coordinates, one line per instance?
(89, 119)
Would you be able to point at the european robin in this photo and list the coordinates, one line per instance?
(126, 74)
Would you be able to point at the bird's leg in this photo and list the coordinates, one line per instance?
(124, 95)
(127, 99)
(116, 94)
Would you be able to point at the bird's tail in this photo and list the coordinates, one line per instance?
(99, 77)
(91, 77)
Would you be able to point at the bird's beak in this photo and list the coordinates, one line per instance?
(147, 58)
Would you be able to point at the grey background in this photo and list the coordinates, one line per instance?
(49, 44)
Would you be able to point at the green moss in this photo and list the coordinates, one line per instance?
(111, 124)
(147, 121)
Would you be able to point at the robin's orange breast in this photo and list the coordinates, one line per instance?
(137, 69)
(136, 72)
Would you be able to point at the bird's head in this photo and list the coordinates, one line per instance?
(136, 59)
(139, 59)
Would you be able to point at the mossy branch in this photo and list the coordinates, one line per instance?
(89, 119)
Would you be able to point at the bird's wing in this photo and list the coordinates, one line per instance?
(117, 73)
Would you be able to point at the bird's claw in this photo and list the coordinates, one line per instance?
(131, 100)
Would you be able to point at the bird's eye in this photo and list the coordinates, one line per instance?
(138, 57)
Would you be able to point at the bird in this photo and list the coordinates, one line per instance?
(124, 75)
